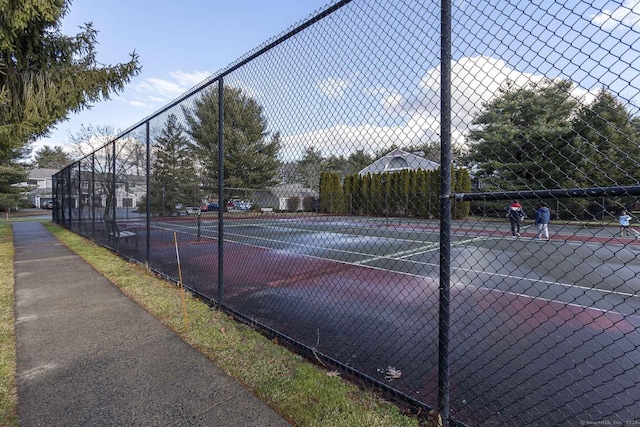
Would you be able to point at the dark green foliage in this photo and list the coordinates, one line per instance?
(539, 137)
(524, 138)
(331, 193)
(313, 164)
(348, 193)
(404, 193)
(10, 194)
(461, 184)
(45, 75)
(294, 204)
(250, 151)
(609, 140)
(53, 158)
(173, 176)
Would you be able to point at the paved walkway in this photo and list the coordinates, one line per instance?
(87, 355)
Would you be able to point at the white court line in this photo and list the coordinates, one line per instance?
(415, 251)
(398, 255)
(571, 304)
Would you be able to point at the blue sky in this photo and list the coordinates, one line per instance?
(180, 43)
(366, 77)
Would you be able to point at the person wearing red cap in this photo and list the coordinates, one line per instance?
(515, 214)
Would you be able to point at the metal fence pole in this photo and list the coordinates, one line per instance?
(70, 216)
(92, 197)
(445, 212)
(114, 202)
(199, 225)
(80, 198)
(220, 189)
(148, 195)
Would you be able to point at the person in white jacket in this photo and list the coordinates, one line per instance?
(624, 220)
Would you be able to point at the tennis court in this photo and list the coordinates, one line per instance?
(543, 331)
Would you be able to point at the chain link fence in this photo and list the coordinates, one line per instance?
(441, 199)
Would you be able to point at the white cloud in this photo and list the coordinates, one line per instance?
(191, 79)
(627, 14)
(333, 88)
(159, 91)
(475, 81)
(160, 87)
(138, 104)
(155, 99)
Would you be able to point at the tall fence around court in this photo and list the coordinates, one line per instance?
(417, 286)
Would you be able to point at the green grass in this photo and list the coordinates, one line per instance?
(8, 389)
(301, 392)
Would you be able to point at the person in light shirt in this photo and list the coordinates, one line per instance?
(624, 223)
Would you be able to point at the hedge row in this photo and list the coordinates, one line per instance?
(405, 193)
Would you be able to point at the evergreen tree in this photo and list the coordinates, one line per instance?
(173, 176)
(356, 192)
(523, 138)
(378, 204)
(12, 173)
(462, 184)
(331, 194)
(51, 158)
(365, 200)
(423, 193)
(45, 75)
(433, 190)
(250, 151)
(609, 141)
(325, 193)
(357, 161)
(310, 167)
(348, 194)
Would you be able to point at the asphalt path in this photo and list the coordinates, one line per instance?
(542, 333)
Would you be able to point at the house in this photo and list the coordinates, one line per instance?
(398, 160)
(42, 181)
(128, 193)
(283, 197)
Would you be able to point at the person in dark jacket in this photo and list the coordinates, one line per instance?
(515, 214)
(543, 218)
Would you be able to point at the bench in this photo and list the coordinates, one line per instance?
(115, 232)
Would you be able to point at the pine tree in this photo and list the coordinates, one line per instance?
(609, 141)
(250, 151)
(12, 174)
(45, 75)
(53, 158)
(348, 194)
(174, 178)
(523, 139)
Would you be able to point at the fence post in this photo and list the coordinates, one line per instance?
(80, 231)
(220, 189)
(445, 212)
(92, 198)
(199, 226)
(148, 177)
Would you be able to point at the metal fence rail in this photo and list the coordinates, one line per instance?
(297, 184)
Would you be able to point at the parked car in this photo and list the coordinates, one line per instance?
(243, 206)
(238, 205)
(47, 205)
(213, 207)
(191, 210)
(180, 210)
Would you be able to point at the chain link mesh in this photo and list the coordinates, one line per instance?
(327, 228)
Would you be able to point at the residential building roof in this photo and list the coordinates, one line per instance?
(398, 160)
